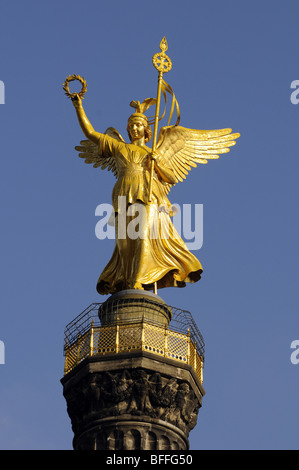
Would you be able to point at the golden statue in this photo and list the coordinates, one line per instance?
(158, 257)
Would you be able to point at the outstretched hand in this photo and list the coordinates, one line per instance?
(76, 99)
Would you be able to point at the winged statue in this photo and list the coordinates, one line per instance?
(178, 149)
(154, 256)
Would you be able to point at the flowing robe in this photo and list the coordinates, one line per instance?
(151, 250)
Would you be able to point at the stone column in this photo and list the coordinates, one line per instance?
(134, 400)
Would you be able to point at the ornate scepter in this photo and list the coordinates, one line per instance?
(163, 64)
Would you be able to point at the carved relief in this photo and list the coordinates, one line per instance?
(136, 392)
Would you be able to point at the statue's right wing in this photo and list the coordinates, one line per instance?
(180, 148)
(90, 152)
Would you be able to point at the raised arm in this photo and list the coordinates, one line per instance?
(85, 125)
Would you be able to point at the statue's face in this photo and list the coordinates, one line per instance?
(136, 129)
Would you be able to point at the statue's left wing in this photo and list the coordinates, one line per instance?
(180, 148)
(90, 152)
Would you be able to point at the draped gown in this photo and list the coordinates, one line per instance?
(152, 250)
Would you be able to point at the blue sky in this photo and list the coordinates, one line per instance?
(233, 64)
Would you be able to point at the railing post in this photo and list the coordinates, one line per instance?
(188, 347)
(117, 337)
(195, 356)
(142, 334)
(91, 338)
(79, 348)
(201, 369)
(166, 342)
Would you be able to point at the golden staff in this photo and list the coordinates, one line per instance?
(163, 64)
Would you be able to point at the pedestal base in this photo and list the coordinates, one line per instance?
(133, 305)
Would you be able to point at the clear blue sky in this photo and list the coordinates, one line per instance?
(233, 63)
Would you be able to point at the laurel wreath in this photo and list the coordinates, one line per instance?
(71, 78)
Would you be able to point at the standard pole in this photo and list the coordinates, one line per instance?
(160, 79)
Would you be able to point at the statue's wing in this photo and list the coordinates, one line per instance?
(180, 148)
(90, 152)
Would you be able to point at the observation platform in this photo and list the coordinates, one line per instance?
(134, 321)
